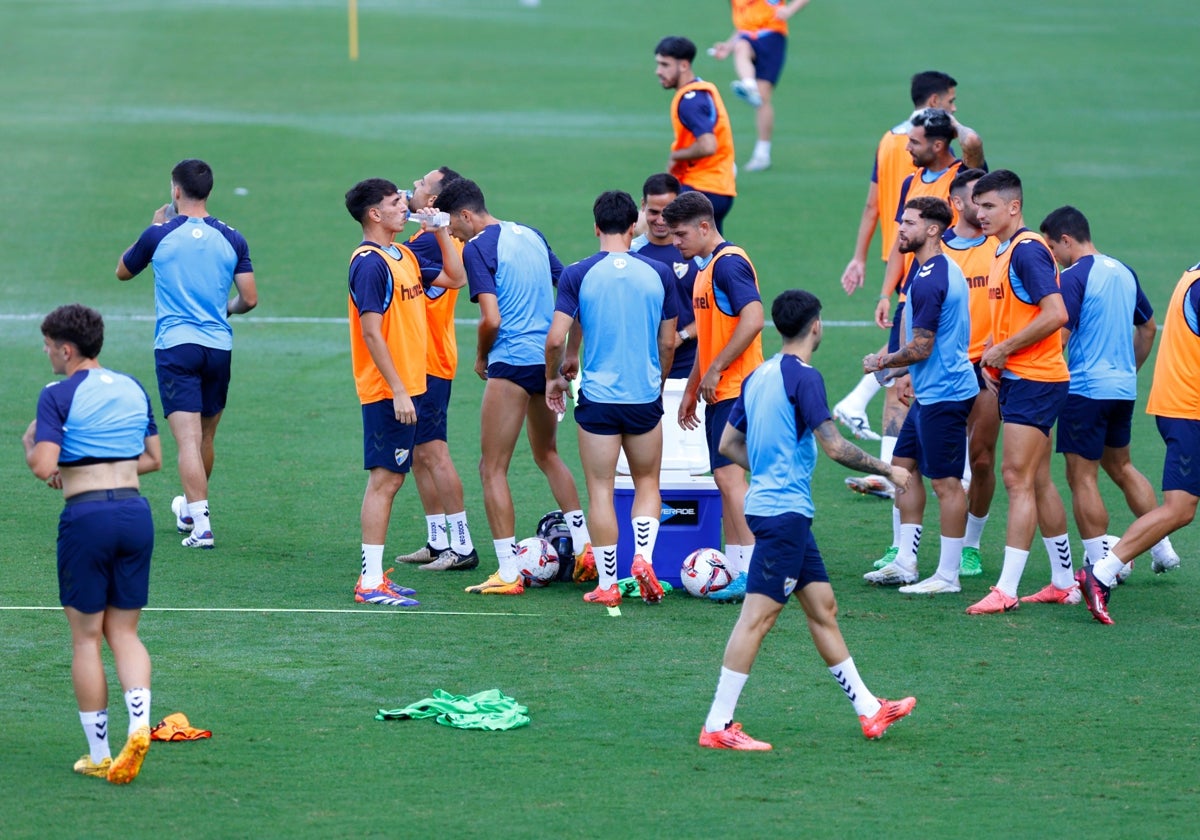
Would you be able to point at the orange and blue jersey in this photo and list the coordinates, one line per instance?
(387, 281)
(937, 302)
(756, 16)
(1176, 389)
(974, 256)
(725, 284)
(441, 359)
(921, 183)
(697, 110)
(893, 164)
(1023, 273)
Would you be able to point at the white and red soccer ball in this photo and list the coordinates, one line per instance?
(704, 572)
(537, 562)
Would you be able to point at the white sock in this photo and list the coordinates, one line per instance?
(645, 535)
(747, 553)
(733, 559)
(729, 689)
(1014, 567)
(1159, 550)
(1094, 549)
(95, 727)
(460, 534)
(506, 559)
(974, 530)
(950, 559)
(1106, 568)
(606, 564)
(137, 701)
(1062, 571)
(199, 513)
(910, 541)
(846, 674)
(372, 566)
(856, 401)
(895, 526)
(887, 445)
(762, 149)
(579, 532)
(436, 526)
(750, 82)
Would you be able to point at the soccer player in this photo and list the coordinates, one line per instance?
(656, 243)
(625, 307)
(448, 543)
(1026, 365)
(773, 431)
(511, 272)
(93, 436)
(729, 322)
(702, 156)
(388, 335)
(933, 440)
(1104, 354)
(759, 48)
(966, 244)
(1175, 403)
(196, 259)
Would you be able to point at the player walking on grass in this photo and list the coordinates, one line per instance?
(93, 436)
(729, 322)
(1175, 403)
(196, 259)
(388, 337)
(625, 307)
(511, 272)
(1109, 334)
(773, 431)
(933, 440)
(1030, 374)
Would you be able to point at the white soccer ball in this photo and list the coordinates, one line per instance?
(705, 571)
(537, 562)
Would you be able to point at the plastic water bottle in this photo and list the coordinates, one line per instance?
(437, 220)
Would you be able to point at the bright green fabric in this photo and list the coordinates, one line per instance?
(490, 710)
(628, 587)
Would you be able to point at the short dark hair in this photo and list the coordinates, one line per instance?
(77, 324)
(463, 194)
(1003, 181)
(931, 209)
(676, 46)
(367, 194)
(928, 83)
(448, 177)
(661, 183)
(1067, 220)
(937, 124)
(793, 311)
(689, 207)
(964, 177)
(194, 177)
(614, 211)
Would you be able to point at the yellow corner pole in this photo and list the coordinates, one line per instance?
(353, 18)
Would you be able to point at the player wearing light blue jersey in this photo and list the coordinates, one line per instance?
(1109, 333)
(93, 436)
(196, 260)
(624, 305)
(933, 440)
(774, 429)
(511, 273)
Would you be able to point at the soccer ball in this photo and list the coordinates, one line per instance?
(705, 571)
(537, 562)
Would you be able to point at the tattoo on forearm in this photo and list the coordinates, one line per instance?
(851, 456)
(919, 349)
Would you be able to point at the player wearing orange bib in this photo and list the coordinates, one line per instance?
(1025, 364)
(729, 322)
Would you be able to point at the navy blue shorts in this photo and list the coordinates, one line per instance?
(770, 52)
(979, 377)
(894, 334)
(387, 442)
(1029, 403)
(530, 377)
(722, 204)
(715, 418)
(935, 436)
(1182, 438)
(785, 557)
(104, 550)
(193, 378)
(1086, 426)
(599, 418)
(431, 419)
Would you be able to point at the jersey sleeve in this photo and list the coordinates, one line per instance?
(926, 298)
(1073, 285)
(697, 112)
(733, 279)
(737, 414)
(481, 278)
(141, 253)
(429, 256)
(1191, 307)
(567, 299)
(806, 391)
(1035, 268)
(52, 414)
(370, 283)
(241, 248)
(903, 198)
(1142, 310)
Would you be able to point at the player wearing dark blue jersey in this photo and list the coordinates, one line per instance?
(93, 436)
(511, 272)
(933, 440)
(197, 259)
(774, 430)
(1109, 333)
(624, 305)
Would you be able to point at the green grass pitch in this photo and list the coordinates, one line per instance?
(1036, 724)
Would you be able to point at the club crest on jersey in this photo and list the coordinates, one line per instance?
(681, 269)
(401, 457)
